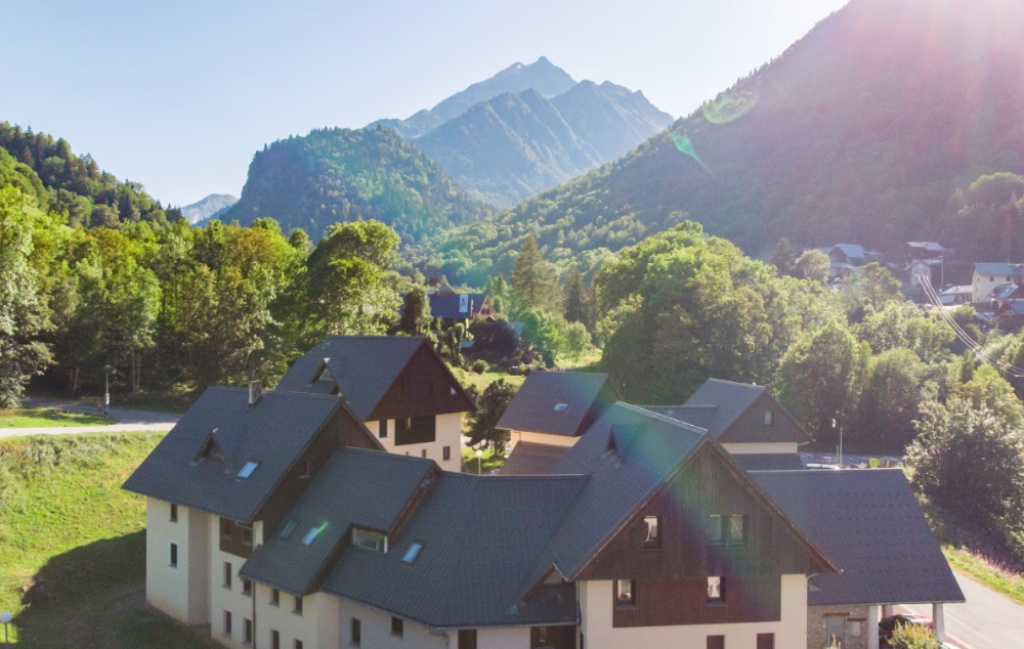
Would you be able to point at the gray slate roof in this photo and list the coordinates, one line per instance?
(368, 489)
(649, 448)
(533, 407)
(768, 461)
(528, 458)
(1000, 268)
(870, 524)
(480, 538)
(274, 433)
(729, 400)
(364, 368)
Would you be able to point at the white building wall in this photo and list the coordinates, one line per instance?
(448, 433)
(517, 436)
(376, 630)
(596, 605)
(178, 591)
(224, 598)
(516, 638)
(315, 628)
(761, 448)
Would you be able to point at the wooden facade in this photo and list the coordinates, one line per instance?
(415, 430)
(424, 388)
(661, 602)
(751, 427)
(553, 637)
(235, 539)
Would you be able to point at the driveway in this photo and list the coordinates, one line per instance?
(126, 419)
(987, 621)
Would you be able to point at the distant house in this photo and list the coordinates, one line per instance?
(452, 307)
(954, 295)
(847, 258)
(923, 250)
(989, 276)
(919, 271)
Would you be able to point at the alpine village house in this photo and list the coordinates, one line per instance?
(331, 512)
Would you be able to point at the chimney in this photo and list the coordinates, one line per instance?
(255, 392)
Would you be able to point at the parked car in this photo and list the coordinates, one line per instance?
(888, 625)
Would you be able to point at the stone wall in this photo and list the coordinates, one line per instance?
(853, 616)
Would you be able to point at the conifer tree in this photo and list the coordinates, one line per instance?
(783, 258)
(533, 279)
(575, 298)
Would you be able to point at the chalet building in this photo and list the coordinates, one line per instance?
(397, 386)
(452, 307)
(923, 250)
(279, 520)
(988, 277)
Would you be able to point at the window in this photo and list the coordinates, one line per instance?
(415, 430)
(561, 407)
(311, 534)
(227, 529)
(855, 628)
(625, 594)
(716, 590)
(247, 587)
(227, 574)
(452, 391)
(355, 632)
(382, 429)
(287, 530)
(467, 639)
(174, 555)
(768, 417)
(765, 641)
(275, 639)
(247, 470)
(247, 536)
(446, 453)
(304, 470)
(715, 532)
(716, 642)
(297, 644)
(652, 532)
(737, 529)
(423, 453)
(412, 553)
(397, 626)
(275, 597)
(227, 623)
(174, 513)
(835, 627)
(298, 606)
(247, 630)
(369, 540)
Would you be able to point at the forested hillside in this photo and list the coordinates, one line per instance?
(517, 145)
(341, 175)
(871, 129)
(61, 182)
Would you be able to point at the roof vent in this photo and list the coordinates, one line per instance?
(255, 392)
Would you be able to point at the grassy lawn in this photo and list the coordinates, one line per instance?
(479, 382)
(986, 573)
(46, 417)
(72, 545)
(489, 460)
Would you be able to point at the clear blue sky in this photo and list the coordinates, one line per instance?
(178, 95)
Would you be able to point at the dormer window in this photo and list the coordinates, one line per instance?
(304, 470)
(652, 532)
(325, 375)
(561, 407)
(247, 469)
(370, 540)
(412, 553)
(312, 534)
(768, 417)
(287, 530)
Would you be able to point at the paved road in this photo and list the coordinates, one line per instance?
(126, 419)
(987, 621)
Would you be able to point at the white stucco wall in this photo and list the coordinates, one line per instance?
(596, 599)
(180, 592)
(517, 436)
(227, 599)
(982, 286)
(376, 630)
(316, 627)
(517, 638)
(448, 433)
(761, 447)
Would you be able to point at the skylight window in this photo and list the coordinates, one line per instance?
(287, 530)
(412, 553)
(248, 469)
(312, 533)
(561, 407)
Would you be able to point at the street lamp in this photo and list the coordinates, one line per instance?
(479, 461)
(5, 619)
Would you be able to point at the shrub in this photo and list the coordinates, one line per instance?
(913, 637)
(479, 366)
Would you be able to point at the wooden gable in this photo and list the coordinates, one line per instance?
(425, 387)
(751, 427)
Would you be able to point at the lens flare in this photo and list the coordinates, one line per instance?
(729, 106)
(684, 145)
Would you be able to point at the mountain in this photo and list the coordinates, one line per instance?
(542, 75)
(208, 207)
(334, 175)
(871, 129)
(517, 145)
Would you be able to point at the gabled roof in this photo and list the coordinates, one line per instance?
(480, 537)
(1006, 291)
(356, 487)
(557, 403)
(870, 523)
(851, 250)
(364, 369)
(999, 268)
(647, 449)
(528, 458)
(956, 290)
(930, 246)
(718, 405)
(272, 433)
(447, 305)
